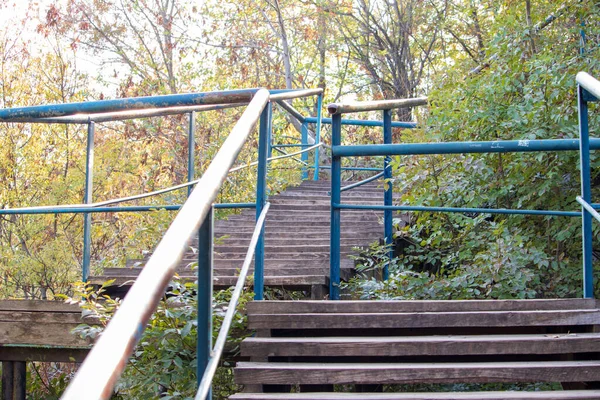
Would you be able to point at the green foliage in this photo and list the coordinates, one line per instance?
(525, 94)
(164, 360)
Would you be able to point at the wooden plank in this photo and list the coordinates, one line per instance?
(394, 306)
(389, 373)
(7, 380)
(20, 380)
(424, 319)
(38, 305)
(512, 395)
(35, 333)
(421, 345)
(226, 281)
(41, 317)
(43, 353)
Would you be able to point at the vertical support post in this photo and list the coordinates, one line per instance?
(261, 199)
(586, 194)
(7, 380)
(205, 291)
(191, 148)
(318, 135)
(87, 199)
(269, 136)
(388, 193)
(20, 380)
(304, 156)
(336, 195)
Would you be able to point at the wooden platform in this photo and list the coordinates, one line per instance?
(313, 345)
(35, 330)
(296, 241)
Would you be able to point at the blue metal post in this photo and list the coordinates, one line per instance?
(191, 148)
(87, 198)
(304, 156)
(388, 193)
(318, 136)
(336, 196)
(205, 290)
(261, 199)
(586, 194)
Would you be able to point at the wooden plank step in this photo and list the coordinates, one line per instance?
(512, 395)
(282, 281)
(424, 320)
(290, 242)
(291, 247)
(391, 346)
(396, 373)
(281, 270)
(391, 306)
(292, 281)
(345, 224)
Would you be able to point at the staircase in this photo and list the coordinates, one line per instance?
(307, 347)
(296, 241)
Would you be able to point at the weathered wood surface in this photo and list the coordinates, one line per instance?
(424, 319)
(541, 395)
(317, 343)
(397, 373)
(398, 306)
(41, 331)
(296, 237)
(292, 282)
(393, 346)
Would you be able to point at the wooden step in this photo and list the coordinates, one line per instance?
(291, 281)
(399, 346)
(513, 395)
(398, 373)
(398, 306)
(424, 319)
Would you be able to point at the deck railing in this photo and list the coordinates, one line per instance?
(588, 90)
(99, 373)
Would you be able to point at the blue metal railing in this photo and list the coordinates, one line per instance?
(588, 90)
(109, 356)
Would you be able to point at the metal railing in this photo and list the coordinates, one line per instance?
(106, 361)
(588, 90)
(99, 373)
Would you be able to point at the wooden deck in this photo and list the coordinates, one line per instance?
(35, 330)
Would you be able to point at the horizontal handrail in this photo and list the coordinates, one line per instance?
(101, 369)
(112, 209)
(69, 208)
(31, 113)
(367, 180)
(359, 106)
(217, 351)
(294, 94)
(556, 213)
(500, 146)
(589, 83)
(363, 122)
(588, 207)
(125, 115)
